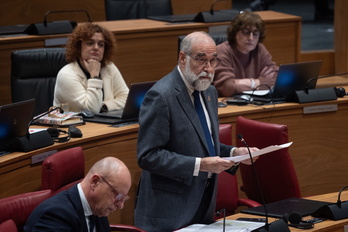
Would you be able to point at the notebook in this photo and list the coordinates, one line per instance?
(303, 207)
(14, 122)
(291, 78)
(130, 112)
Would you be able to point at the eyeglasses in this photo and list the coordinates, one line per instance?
(246, 32)
(203, 62)
(119, 197)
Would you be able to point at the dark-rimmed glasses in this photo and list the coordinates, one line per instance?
(119, 197)
(247, 32)
(203, 61)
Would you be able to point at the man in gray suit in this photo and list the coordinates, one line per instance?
(178, 181)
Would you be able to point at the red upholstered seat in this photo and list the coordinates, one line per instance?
(275, 170)
(227, 194)
(63, 169)
(8, 226)
(19, 207)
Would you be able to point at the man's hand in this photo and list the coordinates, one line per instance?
(215, 164)
(244, 151)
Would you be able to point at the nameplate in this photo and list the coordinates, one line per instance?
(42, 156)
(319, 109)
(56, 42)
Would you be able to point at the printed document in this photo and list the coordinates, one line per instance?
(259, 152)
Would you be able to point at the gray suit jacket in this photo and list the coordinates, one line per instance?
(170, 138)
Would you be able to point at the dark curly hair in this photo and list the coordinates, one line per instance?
(84, 32)
(244, 20)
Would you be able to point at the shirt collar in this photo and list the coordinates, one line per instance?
(86, 208)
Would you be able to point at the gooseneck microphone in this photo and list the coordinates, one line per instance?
(320, 94)
(40, 116)
(339, 203)
(316, 78)
(278, 225)
(212, 6)
(64, 11)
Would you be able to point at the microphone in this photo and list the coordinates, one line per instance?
(321, 94)
(38, 139)
(335, 211)
(278, 225)
(65, 11)
(215, 16)
(40, 116)
(212, 6)
(56, 27)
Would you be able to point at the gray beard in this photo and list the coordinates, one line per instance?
(193, 79)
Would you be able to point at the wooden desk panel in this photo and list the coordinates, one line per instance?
(148, 49)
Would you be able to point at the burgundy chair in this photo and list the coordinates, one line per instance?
(121, 227)
(276, 173)
(63, 169)
(8, 226)
(227, 193)
(18, 207)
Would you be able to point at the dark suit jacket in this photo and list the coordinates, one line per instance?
(62, 212)
(170, 138)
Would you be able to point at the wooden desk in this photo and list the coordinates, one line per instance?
(318, 152)
(328, 225)
(148, 49)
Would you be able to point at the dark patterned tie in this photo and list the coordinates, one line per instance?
(91, 223)
(201, 116)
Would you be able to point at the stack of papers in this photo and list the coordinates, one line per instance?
(258, 152)
(230, 225)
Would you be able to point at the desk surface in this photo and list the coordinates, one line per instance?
(328, 225)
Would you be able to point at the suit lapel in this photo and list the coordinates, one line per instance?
(188, 107)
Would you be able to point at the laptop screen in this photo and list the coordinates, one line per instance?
(14, 120)
(296, 76)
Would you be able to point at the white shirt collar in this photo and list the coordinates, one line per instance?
(86, 208)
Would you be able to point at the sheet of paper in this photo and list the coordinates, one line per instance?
(257, 92)
(259, 152)
(230, 225)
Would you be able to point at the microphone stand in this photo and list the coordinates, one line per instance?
(278, 225)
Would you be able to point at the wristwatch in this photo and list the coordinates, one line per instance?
(104, 108)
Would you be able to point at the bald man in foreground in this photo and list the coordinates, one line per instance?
(85, 206)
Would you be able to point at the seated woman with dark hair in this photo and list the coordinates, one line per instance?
(90, 81)
(245, 63)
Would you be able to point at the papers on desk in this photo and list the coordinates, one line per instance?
(230, 225)
(257, 92)
(259, 152)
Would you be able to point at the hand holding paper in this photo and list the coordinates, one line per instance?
(258, 152)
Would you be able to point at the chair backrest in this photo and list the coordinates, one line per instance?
(19, 207)
(135, 9)
(8, 226)
(33, 75)
(227, 193)
(276, 173)
(63, 169)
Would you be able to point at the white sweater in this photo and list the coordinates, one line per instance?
(73, 88)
